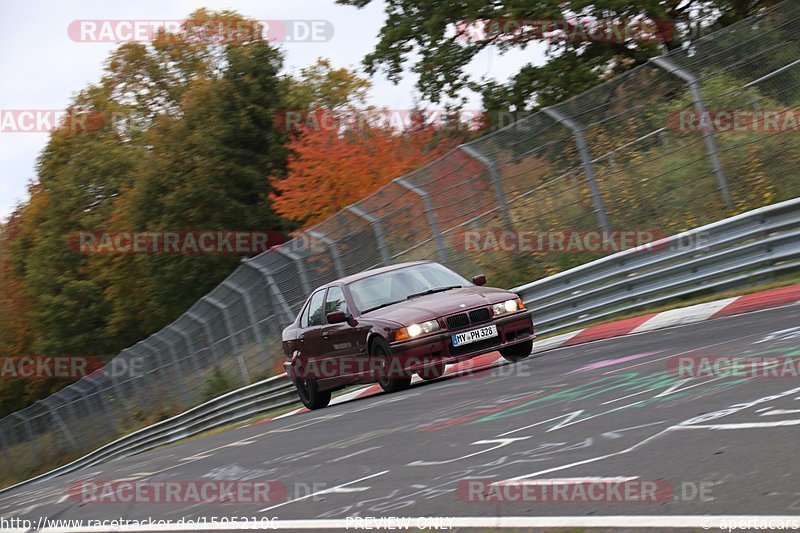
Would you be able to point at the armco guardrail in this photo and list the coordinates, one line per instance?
(743, 248)
(231, 408)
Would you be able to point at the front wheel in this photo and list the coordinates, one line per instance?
(517, 352)
(390, 379)
(310, 394)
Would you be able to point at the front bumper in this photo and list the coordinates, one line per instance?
(438, 348)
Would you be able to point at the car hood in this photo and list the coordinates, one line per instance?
(441, 304)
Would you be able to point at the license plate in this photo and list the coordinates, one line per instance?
(486, 332)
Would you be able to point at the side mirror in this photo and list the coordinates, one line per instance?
(336, 317)
(479, 280)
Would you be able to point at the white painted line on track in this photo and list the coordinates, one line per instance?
(744, 425)
(781, 412)
(567, 480)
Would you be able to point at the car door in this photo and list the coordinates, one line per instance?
(310, 338)
(338, 340)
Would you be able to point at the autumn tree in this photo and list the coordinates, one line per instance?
(178, 134)
(336, 161)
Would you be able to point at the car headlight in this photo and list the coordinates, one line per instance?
(415, 330)
(509, 306)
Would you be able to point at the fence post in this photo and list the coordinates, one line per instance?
(59, 423)
(331, 244)
(431, 214)
(251, 313)
(272, 287)
(177, 372)
(298, 263)
(586, 158)
(229, 325)
(700, 109)
(104, 404)
(190, 344)
(159, 363)
(496, 182)
(376, 227)
(204, 323)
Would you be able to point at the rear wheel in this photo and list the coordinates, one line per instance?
(310, 394)
(517, 352)
(389, 378)
(432, 372)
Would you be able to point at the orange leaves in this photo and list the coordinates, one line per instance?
(331, 168)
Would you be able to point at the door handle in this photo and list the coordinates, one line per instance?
(326, 335)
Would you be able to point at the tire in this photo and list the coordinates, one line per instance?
(379, 349)
(310, 394)
(432, 372)
(517, 352)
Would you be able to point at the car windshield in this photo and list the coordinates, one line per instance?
(388, 288)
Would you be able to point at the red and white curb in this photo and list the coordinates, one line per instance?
(650, 322)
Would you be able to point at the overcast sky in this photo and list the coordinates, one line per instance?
(43, 67)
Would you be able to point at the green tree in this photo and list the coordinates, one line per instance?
(434, 37)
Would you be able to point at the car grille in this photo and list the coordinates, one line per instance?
(475, 316)
(458, 321)
(479, 315)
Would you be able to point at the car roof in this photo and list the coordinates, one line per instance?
(368, 273)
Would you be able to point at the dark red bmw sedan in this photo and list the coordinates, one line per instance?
(389, 323)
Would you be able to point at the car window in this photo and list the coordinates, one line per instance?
(334, 301)
(397, 285)
(313, 313)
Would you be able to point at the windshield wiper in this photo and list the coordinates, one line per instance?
(380, 306)
(433, 291)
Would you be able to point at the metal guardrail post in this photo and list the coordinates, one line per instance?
(430, 213)
(298, 263)
(272, 287)
(496, 182)
(251, 313)
(207, 329)
(331, 244)
(229, 324)
(586, 158)
(700, 109)
(376, 227)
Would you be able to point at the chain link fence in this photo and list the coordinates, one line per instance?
(621, 156)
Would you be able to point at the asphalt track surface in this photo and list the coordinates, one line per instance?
(608, 409)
